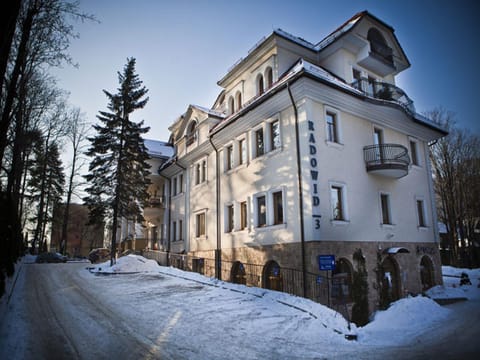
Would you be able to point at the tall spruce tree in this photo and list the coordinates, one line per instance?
(118, 172)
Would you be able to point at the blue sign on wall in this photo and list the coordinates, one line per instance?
(326, 262)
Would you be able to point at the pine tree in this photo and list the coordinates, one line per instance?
(118, 172)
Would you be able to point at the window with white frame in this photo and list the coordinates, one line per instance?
(204, 170)
(386, 209)
(259, 142)
(242, 151)
(197, 173)
(420, 205)
(414, 152)
(261, 210)
(180, 183)
(229, 217)
(274, 132)
(238, 100)
(332, 123)
(338, 202)
(231, 105)
(228, 157)
(268, 77)
(174, 184)
(191, 133)
(174, 231)
(200, 171)
(277, 207)
(260, 85)
(243, 215)
(200, 225)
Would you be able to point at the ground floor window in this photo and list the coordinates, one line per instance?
(390, 282)
(200, 225)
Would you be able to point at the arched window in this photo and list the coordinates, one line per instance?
(238, 273)
(379, 46)
(342, 281)
(191, 132)
(391, 283)
(272, 276)
(426, 273)
(268, 77)
(260, 86)
(231, 105)
(238, 100)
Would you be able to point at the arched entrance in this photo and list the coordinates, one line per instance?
(426, 273)
(342, 281)
(391, 285)
(238, 274)
(272, 277)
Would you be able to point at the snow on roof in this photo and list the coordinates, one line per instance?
(158, 148)
(340, 31)
(209, 111)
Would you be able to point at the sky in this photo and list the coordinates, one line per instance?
(204, 318)
(184, 47)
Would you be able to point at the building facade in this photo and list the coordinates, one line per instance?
(310, 152)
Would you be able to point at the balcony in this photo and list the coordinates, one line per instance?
(385, 91)
(389, 160)
(157, 201)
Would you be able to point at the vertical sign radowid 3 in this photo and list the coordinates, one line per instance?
(312, 151)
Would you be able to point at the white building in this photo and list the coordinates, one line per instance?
(309, 150)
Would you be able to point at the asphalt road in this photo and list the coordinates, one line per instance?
(61, 317)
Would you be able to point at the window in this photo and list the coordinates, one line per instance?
(337, 200)
(174, 191)
(204, 170)
(274, 135)
(259, 143)
(238, 100)
(357, 79)
(180, 183)
(260, 87)
(421, 213)
(191, 133)
(174, 231)
(180, 229)
(243, 215)
(261, 211)
(277, 208)
(197, 174)
(230, 222)
(269, 77)
(385, 206)
(231, 105)
(200, 225)
(332, 127)
(242, 148)
(229, 157)
(414, 153)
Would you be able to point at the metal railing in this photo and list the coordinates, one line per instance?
(386, 154)
(318, 286)
(385, 91)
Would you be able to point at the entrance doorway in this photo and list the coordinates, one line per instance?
(391, 285)
(238, 274)
(426, 273)
(272, 277)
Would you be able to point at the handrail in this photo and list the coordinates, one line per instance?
(386, 154)
(385, 91)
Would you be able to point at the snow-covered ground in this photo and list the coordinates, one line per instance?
(399, 324)
(184, 315)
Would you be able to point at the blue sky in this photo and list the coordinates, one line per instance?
(183, 47)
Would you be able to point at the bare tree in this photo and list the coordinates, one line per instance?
(77, 133)
(456, 172)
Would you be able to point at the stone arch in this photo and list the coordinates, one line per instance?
(427, 277)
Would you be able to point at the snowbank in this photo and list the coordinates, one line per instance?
(127, 265)
(451, 284)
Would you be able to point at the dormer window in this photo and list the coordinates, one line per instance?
(379, 46)
(191, 133)
(260, 86)
(268, 77)
(238, 100)
(231, 105)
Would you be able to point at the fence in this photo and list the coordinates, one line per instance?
(318, 287)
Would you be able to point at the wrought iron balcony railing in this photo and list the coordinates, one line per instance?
(391, 160)
(385, 91)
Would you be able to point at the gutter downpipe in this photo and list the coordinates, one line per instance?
(168, 215)
(218, 250)
(300, 192)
